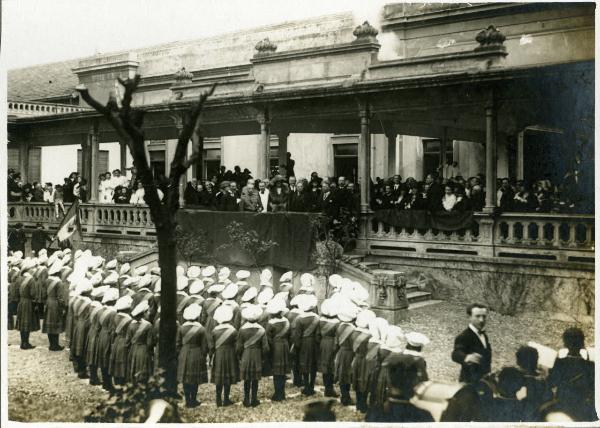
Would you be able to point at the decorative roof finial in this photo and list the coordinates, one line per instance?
(365, 32)
(490, 38)
(265, 46)
(183, 76)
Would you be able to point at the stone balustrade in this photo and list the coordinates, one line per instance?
(533, 236)
(567, 238)
(18, 108)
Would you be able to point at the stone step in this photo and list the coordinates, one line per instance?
(417, 296)
(412, 287)
(370, 265)
(418, 305)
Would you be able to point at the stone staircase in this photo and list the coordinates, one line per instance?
(417, 298)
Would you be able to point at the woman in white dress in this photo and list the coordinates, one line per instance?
(449, 198)
(108, 189)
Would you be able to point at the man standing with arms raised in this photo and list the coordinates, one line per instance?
(472, 348)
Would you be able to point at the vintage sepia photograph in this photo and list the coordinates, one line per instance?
(353, 211)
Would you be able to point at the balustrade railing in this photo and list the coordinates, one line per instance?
(533, 236)
(114, 219)
(554, 237)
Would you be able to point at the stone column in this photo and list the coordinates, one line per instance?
(264, 149)
(490, 158)
(391, 153)
(364, 160)
(123, 156)
(94, 153)
(282, 149)
(520, 153)
(86, 157)
(24, 160)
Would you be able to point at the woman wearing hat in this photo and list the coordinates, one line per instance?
(304, 335)
(343, 359)
(360, 339)
(327, 347)
(53, 320)
(278, 195)
(251, 345)
(120, 347)
(393, 344)
(192, 346)
(27, 321)
(140, 354)
(222, 342)
(278, 335)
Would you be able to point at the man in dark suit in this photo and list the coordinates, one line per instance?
(326, 202)
(250, 201)
(298, 201)
(472, 348)
(225, 201)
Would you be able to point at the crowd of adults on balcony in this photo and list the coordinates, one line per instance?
(452, 192)
(238, 190)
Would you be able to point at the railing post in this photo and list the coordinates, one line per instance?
(487, 228)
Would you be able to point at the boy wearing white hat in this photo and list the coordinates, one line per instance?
(120, 346)
(304, 335)
(291, 315)
(193, 348)
(140, 355)
(326, 337)
(251, 345)
(278, 335)
(343, 361)
(225, 367)
(360, 339)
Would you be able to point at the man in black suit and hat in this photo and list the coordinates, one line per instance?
(472, 348)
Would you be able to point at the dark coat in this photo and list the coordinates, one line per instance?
(345, 354)
(251, 352)
(192, 345)
(278, 202)
(225, 367)
(399, 411)
(327, 344)
(360, 374)
(225, 201)
(140, 355)
(278, 335)
(298, 202)
(467, 343)
(27, 320)
(327, 205)
(304, 337)
(39, 239)
(53, 311)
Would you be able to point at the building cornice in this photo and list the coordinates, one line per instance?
(342, 48)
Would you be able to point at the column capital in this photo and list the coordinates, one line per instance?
(263, 118)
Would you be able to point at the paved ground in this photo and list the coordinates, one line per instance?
(42, 386)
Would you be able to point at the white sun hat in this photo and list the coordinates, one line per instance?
(123, 303)
(249, 294)
(196, 286)
(140, 308)
(194, 272)
(252, 312)
(192, 312)
(230, 291)
(124, 269)
(395, 338)
(110, 295)
(382, 327)
(364, 317)
(111, 264)
(264, 296)
(307, 302)
(242, 274)
(286, 277)
(275, 306)
(182, 282)
(208, 271)
(223, 314)
(416, 339)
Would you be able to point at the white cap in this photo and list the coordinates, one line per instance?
(249, 294)
(230, 291)
(286, 277)
(266, 275)
(56, 267)
(264, 296)
(335, 280)
(416, 339)
(145, 280)
(328, 308)
(99, 291)
(364, 317)
(223, 313)
(216, 288)
(275, 306)
(194, 272)
(224, 273)
(196, 286)
(110, 295)
(141, 270)
(347, 313)
(306, 302)
(111, 278)
(123, 303)
(125, 268)
(180, 270)
(131, 281)
(111, 264)
(182, 282)
(140, 308)
(394, 337)
(208, 271)
(307, 280)
(382, 327)
(252, 312)
(192, 312)
(242, 274)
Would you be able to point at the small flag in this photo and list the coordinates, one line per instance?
(64, 235)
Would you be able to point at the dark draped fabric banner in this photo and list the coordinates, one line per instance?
(293, 233)
(416, 219)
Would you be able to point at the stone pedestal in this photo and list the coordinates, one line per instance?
(387, 295)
